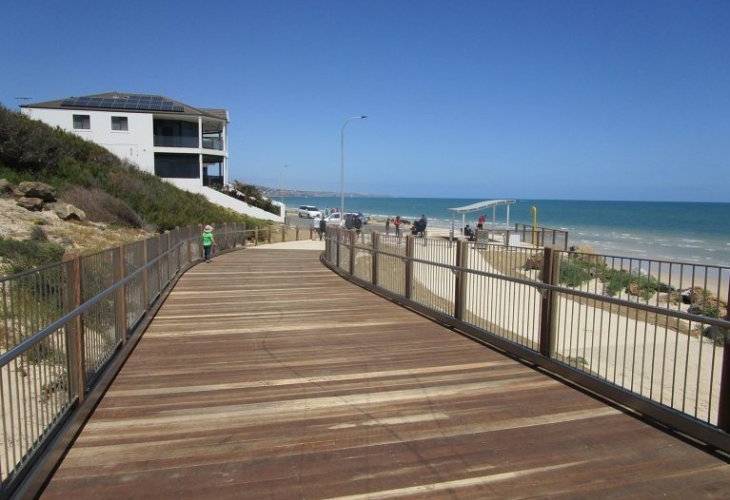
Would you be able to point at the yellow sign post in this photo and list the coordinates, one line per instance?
(533, 211)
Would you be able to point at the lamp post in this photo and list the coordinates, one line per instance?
(342, 165)
(281, 183)
(281, 190)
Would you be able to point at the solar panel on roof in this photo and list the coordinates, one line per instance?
(132, 102)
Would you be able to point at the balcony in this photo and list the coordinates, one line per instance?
(175, 141)
(213, 143)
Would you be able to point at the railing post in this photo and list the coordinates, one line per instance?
(550, 275)
(179, 250)
(410, 245)
(462, 260)
(375, 243)
(170, 257)
(338, 245)
(120, 296)
(351, 239)
(74, 329)
(145, 277)
(160, 262)
(189, 240)
(723, 410)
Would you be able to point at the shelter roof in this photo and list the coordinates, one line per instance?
(481, 206)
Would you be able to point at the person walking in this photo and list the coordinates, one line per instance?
(387, 226)
(322, 228)
(397, 223)
(208, 242)
(357, 223)
(315, 225)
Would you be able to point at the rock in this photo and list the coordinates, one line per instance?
(32, 204)
(694, 295)
(719, 336)
(582, 249)
(66, 211)
(671, 297)
(5, 187)
(534, 261)
(32, 189)
(710, 306)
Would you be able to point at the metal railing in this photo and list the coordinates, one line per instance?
(213, 143)
(648, 334)
(64, 323)
(542, 236)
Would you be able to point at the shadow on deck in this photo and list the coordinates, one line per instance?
(265, 375)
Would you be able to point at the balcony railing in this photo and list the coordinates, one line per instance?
(213, 143)
(168, 141)
(175, 141)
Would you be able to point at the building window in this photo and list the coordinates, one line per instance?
(120, 123)
(82, 122)
(176, 134)
(179, 166)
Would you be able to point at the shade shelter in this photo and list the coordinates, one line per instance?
(478, 207)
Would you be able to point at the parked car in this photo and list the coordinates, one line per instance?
(309, 211)
(335, 218)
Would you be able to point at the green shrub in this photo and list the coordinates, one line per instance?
(711, 310)
(100, 206)
(647, 286)
(23, 255)
(574, 272)
(615, 280)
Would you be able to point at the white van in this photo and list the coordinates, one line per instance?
(309, 211)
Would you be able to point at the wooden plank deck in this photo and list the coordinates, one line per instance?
(266, 376)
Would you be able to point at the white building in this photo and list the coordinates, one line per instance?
(184, 145)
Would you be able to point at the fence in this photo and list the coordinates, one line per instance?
(542, 236)
(63, 325)
(648, 334)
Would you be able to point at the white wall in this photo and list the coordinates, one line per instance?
(134, 145)
(193, 185)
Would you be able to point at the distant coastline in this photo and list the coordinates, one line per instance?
(675, 231)
(275, 194)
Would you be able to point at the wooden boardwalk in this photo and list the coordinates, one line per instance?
(266, 376)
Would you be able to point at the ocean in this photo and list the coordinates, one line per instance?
(674, 231)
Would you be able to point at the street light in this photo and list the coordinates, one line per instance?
(342, 165)
(281, 183)
(281, 190)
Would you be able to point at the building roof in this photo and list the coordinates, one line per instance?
(131, 103)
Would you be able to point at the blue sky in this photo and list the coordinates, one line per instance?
(539, 99)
